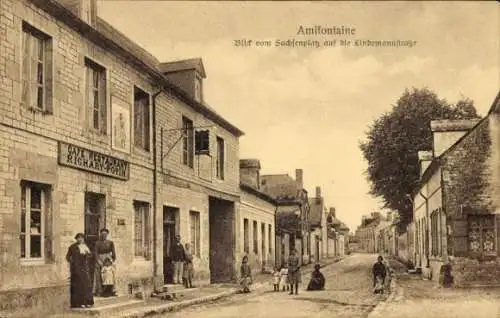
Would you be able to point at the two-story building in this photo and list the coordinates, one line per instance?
(257, 218)
(292, 220)
(96, 133)
(456, 205)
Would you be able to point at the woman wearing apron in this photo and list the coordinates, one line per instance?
(104, 249)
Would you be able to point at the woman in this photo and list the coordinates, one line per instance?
(104, 248)
(294, 276)
(79, 258)
(317, 279)
(246, 275)
(188, 267)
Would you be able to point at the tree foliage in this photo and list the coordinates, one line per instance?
(394, 139)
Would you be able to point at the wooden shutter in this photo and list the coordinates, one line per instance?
(89, 104)
(33, 71)
(103, 105)
(26, 69)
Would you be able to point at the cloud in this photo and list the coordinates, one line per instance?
(412, 64)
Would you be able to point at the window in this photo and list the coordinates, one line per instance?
(255, 241)
(188, 142)
(195, 232)
(246, 237)
(37, 70)
(96, 95)
(198, 89)
(434, 233)
(270, 239)
(141, 119)
(220, 158)
(482, 234)
(33, 220)
(141, 229)
(263, 236)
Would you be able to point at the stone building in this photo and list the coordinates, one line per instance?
(89, 124)
(337, 235)
(366, 233)
(455, 208)
(258, 216)
(292, 220)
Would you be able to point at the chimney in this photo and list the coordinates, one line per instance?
(250, 172)
(445, 133)
(424, 160)
(299, 177)
(318, 192)
(332, 212)
(84, 9)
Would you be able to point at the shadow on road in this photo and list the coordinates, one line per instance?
(332, 301)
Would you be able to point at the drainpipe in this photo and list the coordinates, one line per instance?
(426, 227)
(155, 199)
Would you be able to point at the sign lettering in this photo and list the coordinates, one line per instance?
(89, 160)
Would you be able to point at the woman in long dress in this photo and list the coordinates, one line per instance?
(294, 275)
(104, 249)
(246, 275)
(317, 281)
(79, 258)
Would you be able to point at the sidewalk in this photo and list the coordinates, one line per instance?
(414, 297)
(203, 294)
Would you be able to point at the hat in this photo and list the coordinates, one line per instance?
(79, 235)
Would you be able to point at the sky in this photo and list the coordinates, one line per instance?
(309, 108)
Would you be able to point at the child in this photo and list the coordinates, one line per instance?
(276, 280)
(108, 278)
(379, 285)
(187, 276)
(284, 278)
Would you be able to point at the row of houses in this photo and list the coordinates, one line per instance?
(95, 133)
(456, 206)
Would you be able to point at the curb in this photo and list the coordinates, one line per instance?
(161, 309)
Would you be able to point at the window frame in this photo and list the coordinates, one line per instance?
(26, 190)
(92, 67)
(30, 33)
(187, 130)
(220, 158)
(195, 236)
(482, 218)
(145, 208)
(146, 133)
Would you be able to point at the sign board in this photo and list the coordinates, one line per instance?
(89, 160)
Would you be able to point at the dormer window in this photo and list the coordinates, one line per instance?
(198, 89)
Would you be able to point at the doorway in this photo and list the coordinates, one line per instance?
(94, 221)
(221, 240)
(317, 250)
(170, 215)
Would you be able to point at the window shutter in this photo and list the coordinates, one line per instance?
(33, 72)
(137, 123)
(26, 69)
(90, 97)
(103, 105)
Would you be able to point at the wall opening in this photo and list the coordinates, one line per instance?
(221, 240)
(170, 217)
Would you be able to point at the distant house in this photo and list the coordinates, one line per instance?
(456, 205)
(257, 215)
(337, 235)
(292, 228)
(317, 222)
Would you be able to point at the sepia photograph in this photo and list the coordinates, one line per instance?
(240, 159)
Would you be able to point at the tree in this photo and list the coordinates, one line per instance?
(394, 139)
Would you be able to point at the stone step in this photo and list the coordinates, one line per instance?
(173, 294)
(102, 305)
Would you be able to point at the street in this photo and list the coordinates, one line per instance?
(348, 293)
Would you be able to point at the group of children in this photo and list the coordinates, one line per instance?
(280, 279)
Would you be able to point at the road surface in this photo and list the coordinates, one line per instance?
(348, 294)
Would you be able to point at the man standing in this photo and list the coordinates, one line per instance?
(178, 258)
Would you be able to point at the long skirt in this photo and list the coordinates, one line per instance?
(80, 287)
(245, 282)
(294, 278)
(98, 274)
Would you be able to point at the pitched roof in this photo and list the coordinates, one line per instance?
(316, 208)
(279, 186)
(106, 36)
(182, 65)
(261, 195)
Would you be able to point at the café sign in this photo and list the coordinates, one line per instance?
(89, 160)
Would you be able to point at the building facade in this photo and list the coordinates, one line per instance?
(84, 114)
(257, 218)
(317, 222)
(456, 206)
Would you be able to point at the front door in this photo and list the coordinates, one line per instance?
(95, 217)
(169, 224)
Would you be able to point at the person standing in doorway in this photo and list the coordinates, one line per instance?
(294, 275)
(178, 258)
(104, 249)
